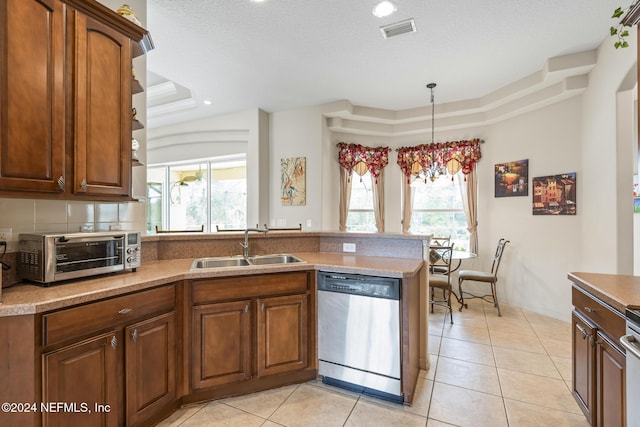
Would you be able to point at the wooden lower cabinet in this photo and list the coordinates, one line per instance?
(610, 383)
(250, 333)
(126, 376)
(282, 334)
(221, 350)
(598, 361)
(150, 366)
(85, 375)
(583, 344)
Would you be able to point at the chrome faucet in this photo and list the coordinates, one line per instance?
(245, 244)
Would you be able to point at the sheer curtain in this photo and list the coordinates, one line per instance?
(469, 193)
(377, 193)
(345, 196)
(407, 205)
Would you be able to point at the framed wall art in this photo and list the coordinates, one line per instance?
(512, 179)
(555, 194)
(293, 181)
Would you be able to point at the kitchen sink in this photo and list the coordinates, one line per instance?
(219, 262)
(236, 261)
(273, 259)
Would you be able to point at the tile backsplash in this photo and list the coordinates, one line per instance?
(38, 215)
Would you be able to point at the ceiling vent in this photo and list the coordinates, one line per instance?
(392, 30)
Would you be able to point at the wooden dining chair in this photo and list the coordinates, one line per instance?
(440, 257)
(490, 277)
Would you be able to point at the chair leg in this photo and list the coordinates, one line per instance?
(450, 310)
(431, 299)
(494, 292)
(462, 304)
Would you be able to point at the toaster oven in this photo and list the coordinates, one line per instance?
(48, 258)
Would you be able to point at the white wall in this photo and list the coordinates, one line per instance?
(600, 156)
(543, 248)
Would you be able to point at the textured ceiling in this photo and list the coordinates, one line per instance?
(283, 54)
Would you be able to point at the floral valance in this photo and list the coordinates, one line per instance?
(358, 158)
(433, 160)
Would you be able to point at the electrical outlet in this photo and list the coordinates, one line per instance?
(5, 234)
(349, 247)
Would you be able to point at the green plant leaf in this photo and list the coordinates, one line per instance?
(625, 44)
(618, 13)
(625, 33)
(617, 45)
(614, 31)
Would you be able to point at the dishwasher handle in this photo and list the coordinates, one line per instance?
(630, 344)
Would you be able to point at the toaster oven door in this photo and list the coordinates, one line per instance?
(86, 256)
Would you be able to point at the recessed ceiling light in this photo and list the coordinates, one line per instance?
(206, 102)
(384, 8)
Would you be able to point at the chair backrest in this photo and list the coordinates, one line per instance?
(440, 256)
(498, 256)
(440, 241)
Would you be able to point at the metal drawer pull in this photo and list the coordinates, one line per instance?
(125, 311)
(263, 307)
(589, 309)
(114, 342)
(134, 335)
(246, 308)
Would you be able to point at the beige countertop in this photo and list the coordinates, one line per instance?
(29, 299)
(619, 291)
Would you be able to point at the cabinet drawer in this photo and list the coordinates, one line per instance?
(79, 321)
(607, 320)
(242, 287)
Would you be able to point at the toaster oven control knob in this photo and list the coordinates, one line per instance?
(130, 250)
(130, 259)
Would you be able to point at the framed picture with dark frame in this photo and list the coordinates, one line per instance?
(512, 179)
(555, 194)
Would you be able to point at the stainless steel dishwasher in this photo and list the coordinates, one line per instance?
(631, 343)
(359, 345)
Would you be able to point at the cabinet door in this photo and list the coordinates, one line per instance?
(83, 375)
(610, 384)
(583, 342)
(102, 108)
(221, 346)
(31, 95)
(282, 334)
(150, 366)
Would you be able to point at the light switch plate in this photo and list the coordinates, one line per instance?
(349, 247)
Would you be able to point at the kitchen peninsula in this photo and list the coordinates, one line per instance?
(208, 334)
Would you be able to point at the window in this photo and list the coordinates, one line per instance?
(438, 210)
(361, 216)
(187, 196)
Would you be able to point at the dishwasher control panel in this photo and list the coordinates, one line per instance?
(356, 284)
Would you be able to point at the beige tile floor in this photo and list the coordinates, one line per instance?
(486, 370)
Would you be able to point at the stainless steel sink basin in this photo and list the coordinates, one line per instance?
(236, 261)
(219, 262)
(274, 259)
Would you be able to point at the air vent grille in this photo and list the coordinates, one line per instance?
(403, 27)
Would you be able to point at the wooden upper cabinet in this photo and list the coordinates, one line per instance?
(31, 95)
(102, 108)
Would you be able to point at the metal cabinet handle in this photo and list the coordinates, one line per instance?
(246, 308)
(114, 342)
(125, 311)
(262, 307)
(83, 185)
(583, 331)
(589, 309)
(61, 183)
(586, 335)
(134, 335)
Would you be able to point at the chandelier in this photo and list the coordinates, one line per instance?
(431, 161)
